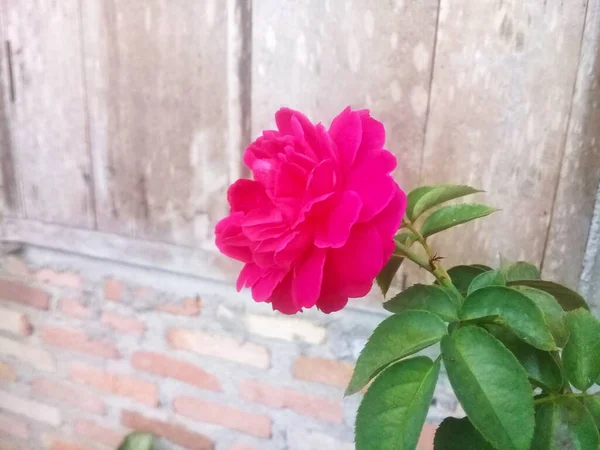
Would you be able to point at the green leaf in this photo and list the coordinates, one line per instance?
(413, 197)
(482, 267)
(518, 312)
(520, 271)
(459, 434)
(395, 338)
(553, 312)
(567, 298)
(427, 197)
(581, 355)
(434, 299)
(491, 386)
(592, 404)
(137, 441)
(541, 367)
(451, 216)
(387, 274)
(489, 278)
(564, 424)
(394, 408)
(462, 276)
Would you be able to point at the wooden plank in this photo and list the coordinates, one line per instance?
(9, 196)
(199, 262)
(48, 126)
(503, 82)
(321, 56)
(156, 74)
(580, 168)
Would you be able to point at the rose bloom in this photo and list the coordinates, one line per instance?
(317, 223)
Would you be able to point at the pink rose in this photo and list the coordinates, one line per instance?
(316, 225)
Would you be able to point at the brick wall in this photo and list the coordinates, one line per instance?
(91, 349)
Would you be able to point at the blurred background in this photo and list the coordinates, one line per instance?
(122, 122)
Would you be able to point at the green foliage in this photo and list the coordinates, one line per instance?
(137, 441)
(386, 276)
(434, 299)
(459, 434)
(452, 216)
(492, 387)
(394, 409)
(553, 312)
(463, 276)
(520, 271)
(564, 423)
(427, 197)
(488, 278)
(568, 298)
(520, 352)
(395, 338)
(515, 309)
(581, 355)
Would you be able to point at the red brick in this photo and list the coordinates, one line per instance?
(220, 347)
(123, 323)
(97, 433)
(427, 435)
(75, 308)
(32, 354)
(321, 370)
(78, 341)
(15, 322)
(67, 394)
(177, 434)
(17, 292)
(123, 385)
(28, 408)
(173, 368)
(189, 306)
(63, 279)
(56, 443)
(16, 266)
(114, 289)
(9, 446)
(14, 427)
(226, 416)
(7, 373)
(241, 446)
(305, 404)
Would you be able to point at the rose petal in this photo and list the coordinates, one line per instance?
(266, 284)
(282, 300)
(230, 240)
(332, 303)
(246, 195)
(334, 233)
(356, 264)
(373, 137)
(249, 275)
(371, 181)
(346, 133)
(388, 221)
(308, 275)
(293, 123)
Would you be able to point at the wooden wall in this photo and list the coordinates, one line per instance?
(128, 118)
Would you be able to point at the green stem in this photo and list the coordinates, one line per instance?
(434, 265)
(551, 398)
(404, 251)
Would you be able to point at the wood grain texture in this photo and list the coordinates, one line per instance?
(321, 56)
(501, 94)
(156, 74)
(580, 168)
(47, 141)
